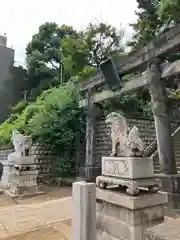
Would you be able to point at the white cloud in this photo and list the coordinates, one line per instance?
(20, 19)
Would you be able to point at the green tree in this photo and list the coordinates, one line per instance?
(74, 54)
(168, 11)
(82, 53)
(103, 40)
(55, 54)
(43, 56)
(148, 24)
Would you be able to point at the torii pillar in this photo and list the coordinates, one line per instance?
(90, 171)
(170, 180)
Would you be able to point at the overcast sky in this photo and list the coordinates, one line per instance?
(20, 19)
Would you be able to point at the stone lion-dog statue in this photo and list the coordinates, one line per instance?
(126, 142)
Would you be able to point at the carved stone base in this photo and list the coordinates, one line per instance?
(130, 186)
(24, 181)
(171, 185)
(127, 167)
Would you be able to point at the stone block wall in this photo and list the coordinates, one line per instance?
(4, 154)
(43, 159)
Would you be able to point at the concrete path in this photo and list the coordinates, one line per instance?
(48, 220)
(51, 220)
(169, 230)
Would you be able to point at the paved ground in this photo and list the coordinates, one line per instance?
(50, 194)
(48, 217)
(48, 220)
(169, 230)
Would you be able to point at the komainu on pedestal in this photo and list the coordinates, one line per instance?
(23, 174)
(126, 165)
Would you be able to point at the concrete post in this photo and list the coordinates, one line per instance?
(84, 211)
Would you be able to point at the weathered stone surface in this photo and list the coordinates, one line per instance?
(89, 173)
(131, 186)
(103, 140)
(127, 167)
(103, 235)
(25, 160)
(125, 142)
(124, 217)
(6, 175)
(138, 202)
(171, 185)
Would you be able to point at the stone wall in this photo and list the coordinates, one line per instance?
(103, 140)
(4, 154)
(43, 159)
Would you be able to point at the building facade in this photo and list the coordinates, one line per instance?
(12, 79)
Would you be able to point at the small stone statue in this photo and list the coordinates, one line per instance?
(21, 145)
(125, 142)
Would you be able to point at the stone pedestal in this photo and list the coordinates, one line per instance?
(171, 185)
(23, 178)
(127, 167)
(120, 216)
(132, 173)
(23, 181)
(6, 175)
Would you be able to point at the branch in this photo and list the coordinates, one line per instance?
(54, 65)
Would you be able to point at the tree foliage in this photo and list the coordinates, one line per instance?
(74, 54)
(56, 54)
(43, 52)
(153, 18)
(103, 41)
(148, 24)
(168, 11)
(53, 118)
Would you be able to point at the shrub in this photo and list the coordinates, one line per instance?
(54, 118)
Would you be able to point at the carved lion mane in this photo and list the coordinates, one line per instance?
(125, 142)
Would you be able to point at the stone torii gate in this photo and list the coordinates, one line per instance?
(149, 58)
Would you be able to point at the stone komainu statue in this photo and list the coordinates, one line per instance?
(125, 142)
(21, 145)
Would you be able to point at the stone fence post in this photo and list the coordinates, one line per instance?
(84, 211)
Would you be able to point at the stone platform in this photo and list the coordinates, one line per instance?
(28, 193)
(120, 216)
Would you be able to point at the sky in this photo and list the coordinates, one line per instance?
(20, 19)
